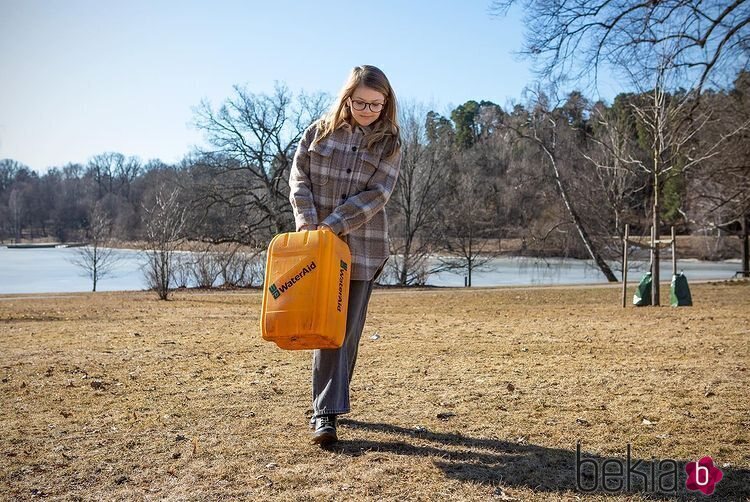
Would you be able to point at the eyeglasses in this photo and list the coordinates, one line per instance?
(361, 105)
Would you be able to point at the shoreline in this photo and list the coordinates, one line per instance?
(46, 271)
(696, 247)
(506, 254)
(380, 289)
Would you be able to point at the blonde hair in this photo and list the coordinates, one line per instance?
(385, 130)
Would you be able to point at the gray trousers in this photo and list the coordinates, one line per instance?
(332, 369)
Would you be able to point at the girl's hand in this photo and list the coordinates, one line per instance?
(308, 227)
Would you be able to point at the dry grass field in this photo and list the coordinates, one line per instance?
(476, 394)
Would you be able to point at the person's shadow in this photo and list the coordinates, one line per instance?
(502, 463)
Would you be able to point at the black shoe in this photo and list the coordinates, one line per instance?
(325, 430)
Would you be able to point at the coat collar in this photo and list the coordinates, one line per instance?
(358, 128)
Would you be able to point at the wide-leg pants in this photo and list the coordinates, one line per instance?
(332, 369)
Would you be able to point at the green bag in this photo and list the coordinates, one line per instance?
(679, 291)
(642, 296)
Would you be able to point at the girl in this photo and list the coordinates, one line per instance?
(344, 171)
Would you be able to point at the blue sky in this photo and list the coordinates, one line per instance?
(81, 77)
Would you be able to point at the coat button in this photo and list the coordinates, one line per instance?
(348, 170)
(354, 149)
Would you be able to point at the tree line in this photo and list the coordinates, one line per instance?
(562, 174)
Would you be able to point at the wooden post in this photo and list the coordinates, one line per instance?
(745, 246)
(674, 253)
(656, 270)
(654, 265)
(625, 266)
(651, 252)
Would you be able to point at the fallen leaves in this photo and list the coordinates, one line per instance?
(98, 385)
(501, 494)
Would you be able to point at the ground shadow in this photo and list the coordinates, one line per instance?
(495, 462)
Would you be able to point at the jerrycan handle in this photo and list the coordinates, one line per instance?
(324, 229)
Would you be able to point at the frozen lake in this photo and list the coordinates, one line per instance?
(515, 271)
(50, 271)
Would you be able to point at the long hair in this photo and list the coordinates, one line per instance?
(385, 131)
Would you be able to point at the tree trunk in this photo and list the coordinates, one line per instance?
(404, 275)
(94, 271)
(405, 263)
(745, 247)
(603, 266)
(655, 244)
(471, 237)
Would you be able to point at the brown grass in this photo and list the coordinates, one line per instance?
(120, 396)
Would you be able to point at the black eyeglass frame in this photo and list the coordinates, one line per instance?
(366, 105)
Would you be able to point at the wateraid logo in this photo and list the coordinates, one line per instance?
(342, 273)
(658, 476)
(277, 291)
(703, 476)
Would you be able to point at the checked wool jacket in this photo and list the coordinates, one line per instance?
(340, 184)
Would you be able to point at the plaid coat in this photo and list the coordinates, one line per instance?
(341, 184)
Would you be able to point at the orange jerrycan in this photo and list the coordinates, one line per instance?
(306, 290)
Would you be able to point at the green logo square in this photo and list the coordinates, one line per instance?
(343, 264)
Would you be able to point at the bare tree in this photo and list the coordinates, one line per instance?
(16, 209)
(126, 172)
(95, 259)
(104, 169)
(182, 270)
(165, 221)
(682, 40)
(573, 38)
(671, 124)
(611, 144)
(421, 185)
(206, 266)
(543, 130)
(114, 173)
(253, 139)
(12, 197)
(9, 169)
(467, 219)
(241, 268)
(721, 190)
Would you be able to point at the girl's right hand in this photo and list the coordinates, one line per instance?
(308, 227)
